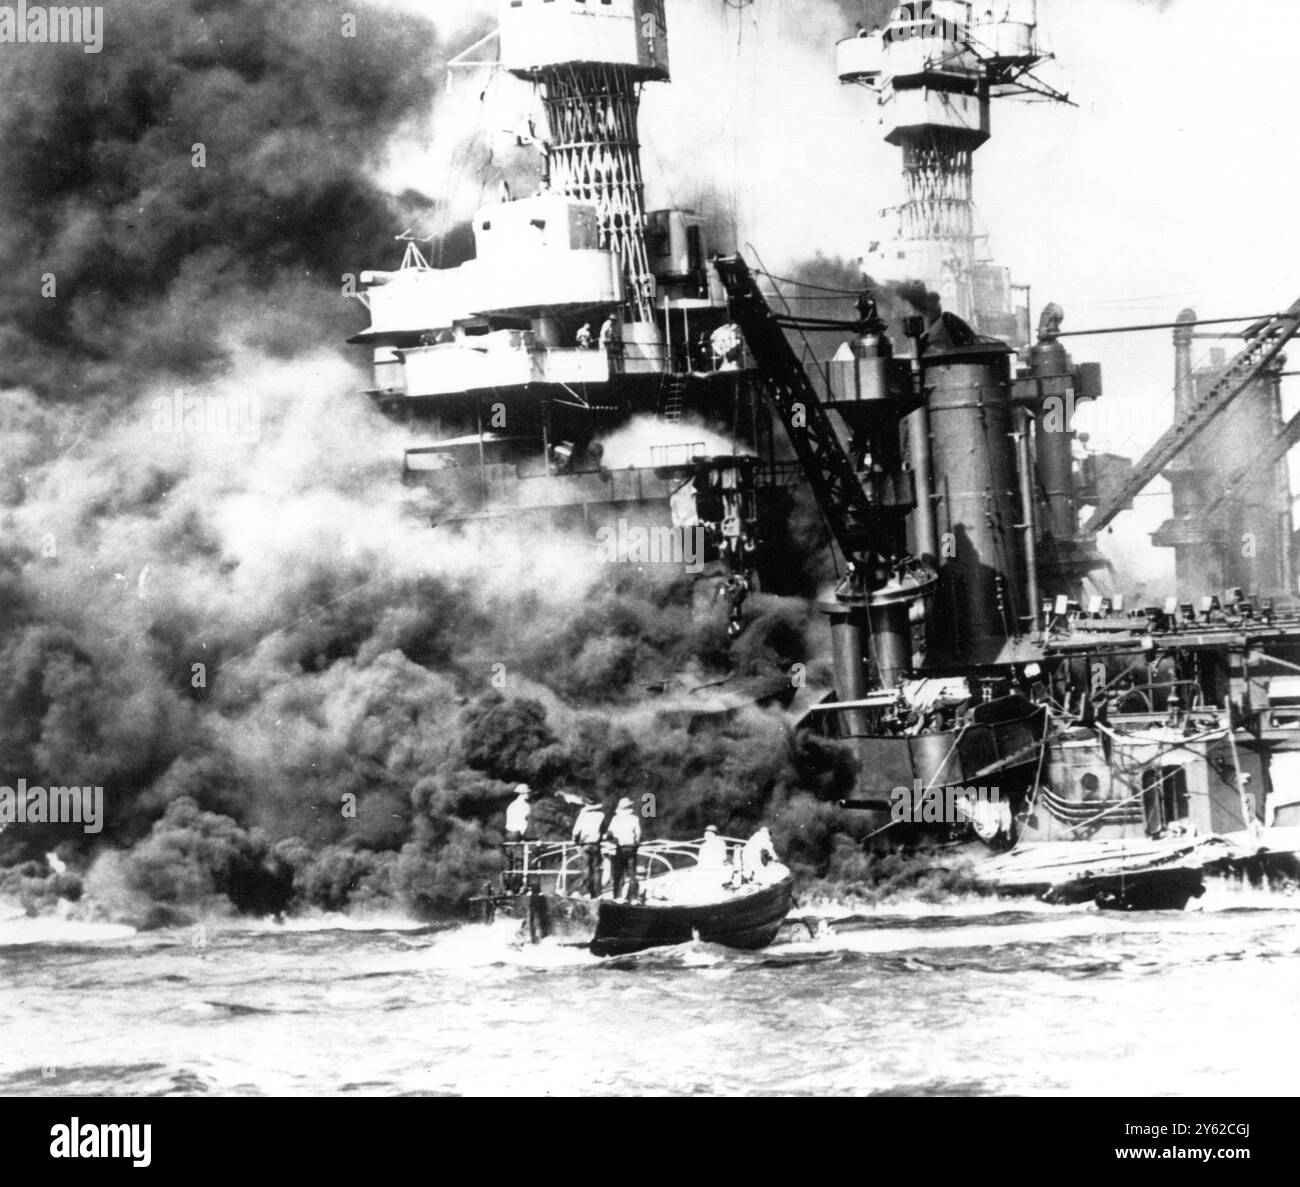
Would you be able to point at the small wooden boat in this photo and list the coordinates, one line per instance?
(746, 917)
(678, 901)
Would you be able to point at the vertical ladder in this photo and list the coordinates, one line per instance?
(674, 391)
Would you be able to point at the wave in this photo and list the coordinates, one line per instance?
(23, 931)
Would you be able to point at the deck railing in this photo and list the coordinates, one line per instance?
(560, 867)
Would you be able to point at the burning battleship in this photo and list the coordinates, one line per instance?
(976, 638)
(580, 314)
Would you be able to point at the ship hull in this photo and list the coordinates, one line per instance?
(1156, 875)
(746, 922)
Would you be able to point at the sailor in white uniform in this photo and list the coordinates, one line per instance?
(756, 856)
(713, 850)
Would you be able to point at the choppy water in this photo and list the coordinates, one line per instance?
(969, 998)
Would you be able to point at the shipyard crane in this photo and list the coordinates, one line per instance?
(1265, 342)
(1273, 453)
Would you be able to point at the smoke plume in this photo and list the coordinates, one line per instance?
(217, 601)
(213, 148)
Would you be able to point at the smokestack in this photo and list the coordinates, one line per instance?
(1197, 545)
(1184, 380)
(981, 595)
(1050, 363)
(1057, 387)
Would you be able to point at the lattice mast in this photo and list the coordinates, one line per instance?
(590, 59)
(937, 181)
(934, 68)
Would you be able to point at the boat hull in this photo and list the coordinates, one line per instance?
(1153, 875)
(746, 922)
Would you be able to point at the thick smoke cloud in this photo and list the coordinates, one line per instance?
(286, 683)
(102, 189)
(344, 741)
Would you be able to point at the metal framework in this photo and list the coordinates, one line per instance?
(937, 174)
(1263, 469)
(864, 533)
(594, 154)
(1266, 343)
(559, 867)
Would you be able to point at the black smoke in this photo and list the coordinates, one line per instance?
(103, 192)
(285, 683)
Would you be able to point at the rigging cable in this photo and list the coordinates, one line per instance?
(821, 288)
(1168, 325)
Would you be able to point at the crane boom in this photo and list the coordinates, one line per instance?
(830, 471)
(1287, 436)
(1264, 346)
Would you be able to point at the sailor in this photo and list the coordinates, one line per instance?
(734, 591)
(608, 333)
(588, 829)
(866, 307)
(713, 850)
(702, 353)
(625, 831)
(584, 336)
(517, 812)
(517, 815)
(756, 855)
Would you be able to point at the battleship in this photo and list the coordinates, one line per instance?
(977, 635)
(580, 313)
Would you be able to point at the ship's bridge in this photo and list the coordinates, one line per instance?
(441, 331)
(540, 253)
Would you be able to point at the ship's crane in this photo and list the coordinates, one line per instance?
(864, 492)
(863, 534)
(1265, 343)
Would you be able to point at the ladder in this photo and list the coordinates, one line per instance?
(674, 392)
(1264, 344)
